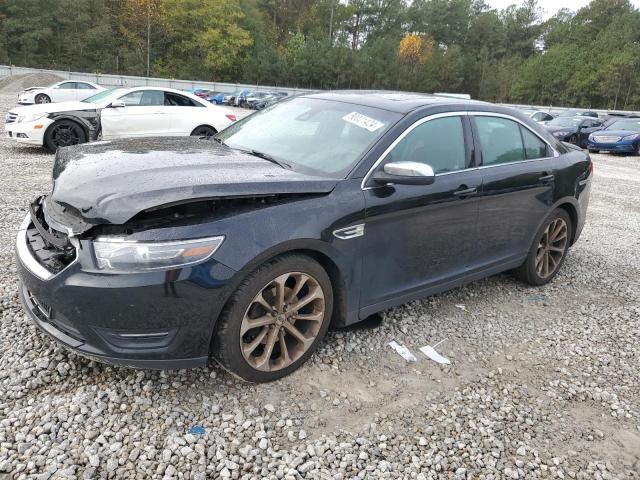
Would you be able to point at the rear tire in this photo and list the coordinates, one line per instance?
(261, 317)
(549, 250)
(42, 98)
(64, 133)
(203, 131)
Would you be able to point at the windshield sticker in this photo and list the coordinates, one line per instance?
(363, 121)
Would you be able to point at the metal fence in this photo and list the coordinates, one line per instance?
(108, 80)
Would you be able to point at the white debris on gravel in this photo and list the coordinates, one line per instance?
(543, 382)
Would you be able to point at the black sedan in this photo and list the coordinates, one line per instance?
(321, 210)
(574, 130)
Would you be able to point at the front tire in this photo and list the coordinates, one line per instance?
(42, 98)
(573, 139)
(275, 319)
(64, 133)
(549, 250)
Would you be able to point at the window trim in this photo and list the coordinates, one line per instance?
(476, 155)
(555, 152)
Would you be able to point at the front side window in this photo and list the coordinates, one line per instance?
(312, 135)
(438, 143)
(500, 140)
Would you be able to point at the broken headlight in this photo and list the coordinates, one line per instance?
(117, 255)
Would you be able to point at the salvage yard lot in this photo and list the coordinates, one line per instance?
(543, 383)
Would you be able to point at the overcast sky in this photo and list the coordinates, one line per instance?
(549, 6)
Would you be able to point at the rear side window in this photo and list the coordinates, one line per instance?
(143, 98)
(500, 140)
(67, 86)
(438, 143)
(533, 146)
(175, 100)
(85, 86)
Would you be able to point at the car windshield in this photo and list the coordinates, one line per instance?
(315, 136)
(632, 125)
(565, 122)
(103, 96)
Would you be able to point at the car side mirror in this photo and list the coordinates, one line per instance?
(117, 104)
(406, 173)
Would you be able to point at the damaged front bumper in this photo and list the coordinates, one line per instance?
(160, 319)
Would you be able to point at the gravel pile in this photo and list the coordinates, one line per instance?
(543, 383)
(17, 83)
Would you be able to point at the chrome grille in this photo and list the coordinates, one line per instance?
(606, 138)
(10, 117)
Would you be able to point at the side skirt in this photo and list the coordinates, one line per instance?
(441, 287)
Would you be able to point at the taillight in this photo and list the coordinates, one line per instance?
(231, 117)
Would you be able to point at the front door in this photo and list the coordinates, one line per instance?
(420, 236)
(144, 114)
(518, 170)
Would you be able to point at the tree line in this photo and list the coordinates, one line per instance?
(588, 58)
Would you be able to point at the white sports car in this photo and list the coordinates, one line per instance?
(66, 91)
(118, 113)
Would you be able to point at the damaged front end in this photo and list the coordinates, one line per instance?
(53, 249)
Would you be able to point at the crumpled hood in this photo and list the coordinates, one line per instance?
(53, 107)
(111, 181)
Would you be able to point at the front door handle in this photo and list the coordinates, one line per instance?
(547, 178)
(466, 192)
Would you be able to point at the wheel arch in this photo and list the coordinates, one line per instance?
(215, 130)
(319, 251)
(568, 204)
(572, 211)
(76, 120)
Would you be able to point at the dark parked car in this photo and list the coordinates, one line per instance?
(260, 100)
(574, 130)
(620, 136)
(578, 113)
(238, 97)
(324, 209)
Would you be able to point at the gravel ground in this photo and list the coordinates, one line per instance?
(543, 383)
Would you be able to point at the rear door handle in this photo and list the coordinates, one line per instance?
(547, 178)
(467, 192)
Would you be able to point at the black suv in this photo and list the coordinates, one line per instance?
(323, 209)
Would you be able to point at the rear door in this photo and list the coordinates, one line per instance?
(420, 236)
(84, 90)
(144, 114)
(64, 92)
(185, 113)
(518, 170)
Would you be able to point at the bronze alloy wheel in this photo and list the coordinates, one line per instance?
(282, 321)
(552, 248)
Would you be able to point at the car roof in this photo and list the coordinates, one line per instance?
(400, 102)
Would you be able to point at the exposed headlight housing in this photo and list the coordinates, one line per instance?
(125, 256)
(631, 137)
(30, 118)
